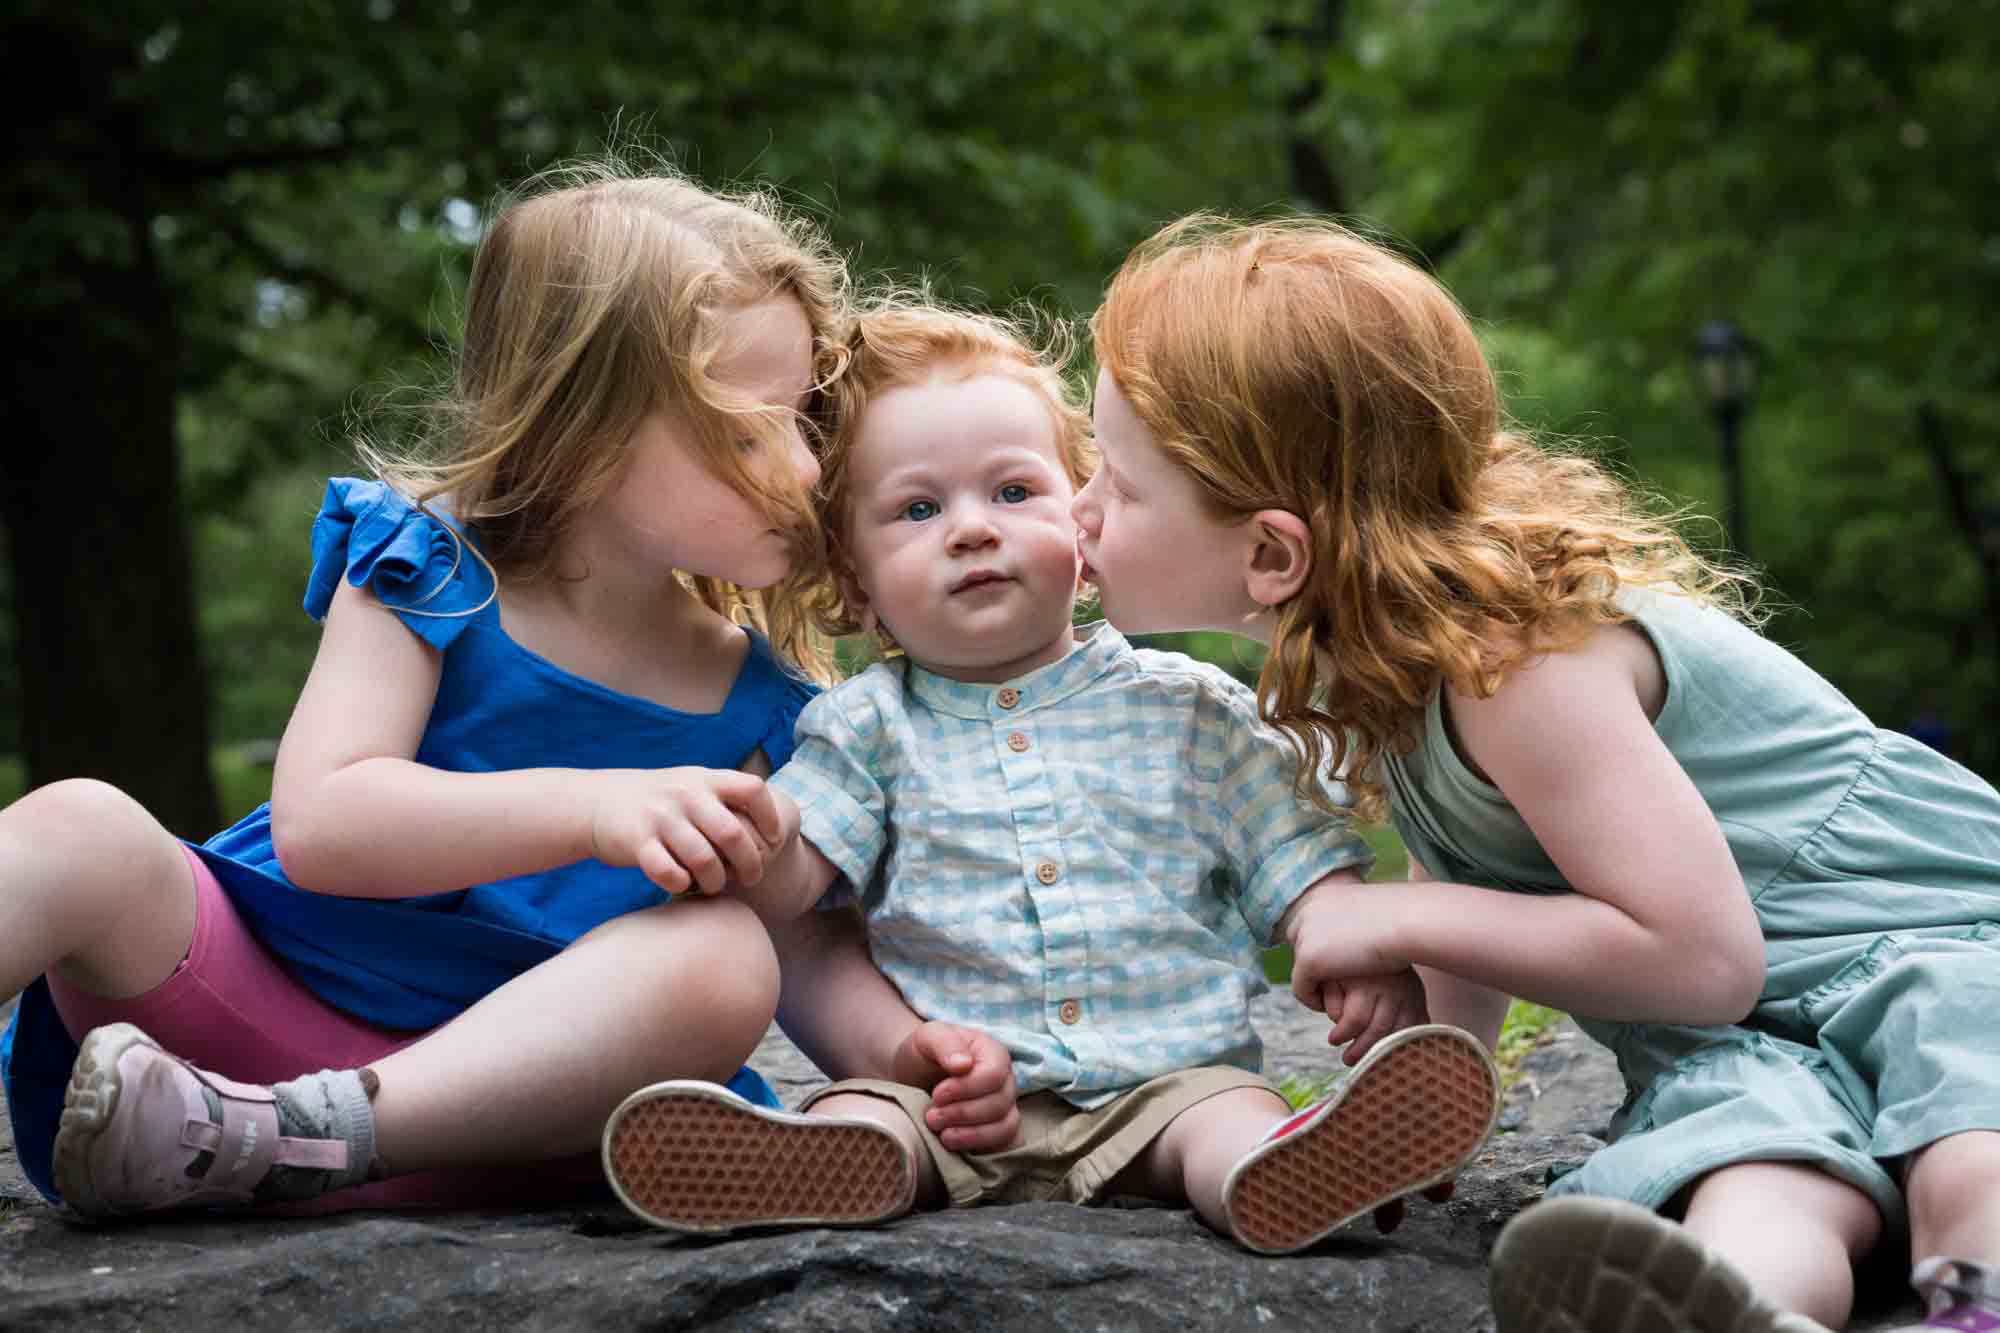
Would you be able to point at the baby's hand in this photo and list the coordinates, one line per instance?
(1366, 1009)
(971, 1078)
(684, 828)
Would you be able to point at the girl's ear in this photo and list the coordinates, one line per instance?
(1279, 556)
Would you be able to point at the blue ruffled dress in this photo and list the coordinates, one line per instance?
(413, 963)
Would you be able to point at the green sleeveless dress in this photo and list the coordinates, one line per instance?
(1873, 863)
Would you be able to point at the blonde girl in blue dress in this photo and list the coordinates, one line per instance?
(553, 670)
(1619, 798)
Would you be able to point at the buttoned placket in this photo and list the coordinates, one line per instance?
(1065, 941)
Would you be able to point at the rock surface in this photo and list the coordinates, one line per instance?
(1035, 1266)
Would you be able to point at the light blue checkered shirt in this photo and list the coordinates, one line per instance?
(1082, 863)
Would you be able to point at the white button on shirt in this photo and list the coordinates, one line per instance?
(1083, 863)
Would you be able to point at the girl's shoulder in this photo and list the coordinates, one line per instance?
(769, 696)
(413, 559)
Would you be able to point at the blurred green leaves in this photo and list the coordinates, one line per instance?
(1592, 180)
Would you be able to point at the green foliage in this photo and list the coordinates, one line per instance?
(1392, 862)
(1593, 181)
(1597, 182)
(1525, 1027)
(242, 773)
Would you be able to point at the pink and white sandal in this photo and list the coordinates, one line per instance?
(1958, 1294)
(1412, 1114)
(139, 1133)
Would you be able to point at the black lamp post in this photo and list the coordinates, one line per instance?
(1728, 359)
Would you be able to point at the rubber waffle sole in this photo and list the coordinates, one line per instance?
(88, 1105)
(1412, 1114)
(695, 1158)
(1588, 1265)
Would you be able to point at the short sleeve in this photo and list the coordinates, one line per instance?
(831, 777)
(780, 738)
(1278, 845)
(417, 565)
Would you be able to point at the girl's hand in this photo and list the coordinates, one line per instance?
(1366, 1009)
(971, 1078)
(686, 829)
(1339, 932)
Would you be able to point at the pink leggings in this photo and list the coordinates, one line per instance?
(232, 1008)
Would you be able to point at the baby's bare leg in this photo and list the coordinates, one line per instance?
(1190, 1159)
(1793, 1231)
(93, 888)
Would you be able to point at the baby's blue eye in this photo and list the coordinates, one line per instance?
(1014, 493)
(919, 510)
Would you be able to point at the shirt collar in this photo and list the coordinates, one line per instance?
(1098, 649)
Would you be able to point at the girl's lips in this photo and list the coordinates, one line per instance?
(1089, 572)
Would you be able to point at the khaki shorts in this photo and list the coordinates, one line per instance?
(1065, 1153)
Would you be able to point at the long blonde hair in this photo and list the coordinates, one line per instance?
(1297, 365)
(902, 337)
(594, 300)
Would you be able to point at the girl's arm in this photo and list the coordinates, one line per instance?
(1660, 928)
(1478, 1009)
(352, 813)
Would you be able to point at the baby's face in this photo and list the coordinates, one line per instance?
(960, 525)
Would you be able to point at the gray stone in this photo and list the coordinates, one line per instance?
(1036, 1266)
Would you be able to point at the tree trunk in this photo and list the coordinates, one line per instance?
(111, 682)
(1962, 504)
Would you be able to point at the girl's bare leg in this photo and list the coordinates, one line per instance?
(532, 1071)
(1793, 1231)
(93, 888)
(1953, 1188)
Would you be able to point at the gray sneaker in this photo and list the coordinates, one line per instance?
(1958, 1294)
(1590, 1265)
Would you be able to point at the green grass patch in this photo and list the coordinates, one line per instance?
(1526, 1027)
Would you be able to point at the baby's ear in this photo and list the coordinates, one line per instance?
(856, 601)
(1277, 558)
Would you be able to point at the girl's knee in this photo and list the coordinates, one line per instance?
(87, 811)
(711, 956)
(1754, 1194)
(1954, 1170)
(92, 844)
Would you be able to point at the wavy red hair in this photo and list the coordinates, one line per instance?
(1298, 365)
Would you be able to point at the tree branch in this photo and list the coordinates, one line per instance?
(1957, 488)
(193, 169)
(318, 280)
